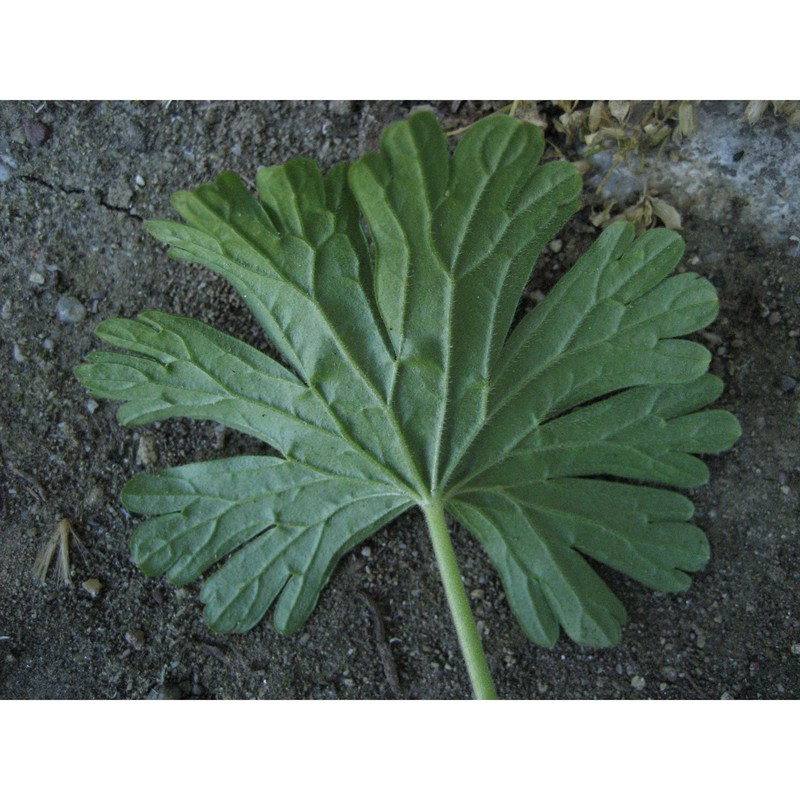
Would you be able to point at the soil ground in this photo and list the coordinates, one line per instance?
(76, 181)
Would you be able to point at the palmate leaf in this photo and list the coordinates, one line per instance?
(405, 384)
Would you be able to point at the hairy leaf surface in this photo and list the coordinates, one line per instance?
(402, 381)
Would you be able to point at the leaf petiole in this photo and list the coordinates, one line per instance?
(468, 637)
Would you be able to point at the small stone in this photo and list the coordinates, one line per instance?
(139, 181)
(133, 136)
(5, 173)
(19, 356)
(366, 552)
(135, 639)
(785, 490)
(95, 497)
(92, 587)
(555, 246)
(5, 311)
(775, 318)
(795, 649)
(788, 383)
(119, 194)
(169, 691)
(638, 682)
(670, 673)
(341, 107)
(92, 406)
(146, 452)
(726, 696)
(69, 309)
(36, 278)
(36, 132)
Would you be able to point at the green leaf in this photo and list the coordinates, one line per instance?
(455, 245)
(285, 524)
(404, 382)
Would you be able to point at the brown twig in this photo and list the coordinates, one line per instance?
(384, 650)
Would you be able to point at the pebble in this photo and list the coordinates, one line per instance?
(139, 181)
(146, 452)
(19, 356)
(95, 496)
(726, 696)
(92, 406)
(119, 194)
(5, 173)
(36, 132)
(788, 383)
(36, 278)
(135, 639)
(795, 649)
(775, 317)
(169, 691)
(638, 682)
(556, 245)
(92, 587)
(69, 309)
(341, 107)
(5, 311)
(670, 673)
(133, 136)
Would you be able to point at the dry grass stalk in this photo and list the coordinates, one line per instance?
(59, 541)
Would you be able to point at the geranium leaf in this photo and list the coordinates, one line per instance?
(406, 383)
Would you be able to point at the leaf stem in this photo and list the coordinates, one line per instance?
(468, 637)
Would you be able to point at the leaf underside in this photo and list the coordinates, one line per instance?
(402, 380)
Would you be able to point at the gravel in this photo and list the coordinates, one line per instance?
(69, 309)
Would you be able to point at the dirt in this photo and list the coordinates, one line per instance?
(77, 179)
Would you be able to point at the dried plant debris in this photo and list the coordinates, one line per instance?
(59, 542)
(645, 213)
(789, 109)
(628, 125)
